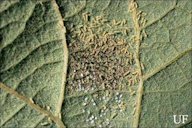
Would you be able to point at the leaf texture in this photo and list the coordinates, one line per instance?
(32, 61)
(163, 88)
(129, 63)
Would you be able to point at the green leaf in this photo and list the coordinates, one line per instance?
(129, 63)
(99, 74)
(33, 58)
(167, 58)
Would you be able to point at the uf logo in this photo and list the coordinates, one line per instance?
(178, 119)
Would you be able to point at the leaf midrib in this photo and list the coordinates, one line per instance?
(145, 77)
(133, 9)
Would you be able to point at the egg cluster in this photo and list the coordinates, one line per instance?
(102, 68)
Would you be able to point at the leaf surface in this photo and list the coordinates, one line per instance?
(164, 87)
(129, 63)
(32, 62)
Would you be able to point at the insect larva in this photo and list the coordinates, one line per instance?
(104, 33)
(92, 37)
(124, 32)
(133, 38)
(124, 42)
(96, 22)
(88, 39)
(77, 32)
(120, 43)
(130, 7)
(85, 28)
(98, 18)
(135, 4)
(59, 115)
(126, 73)
(85, 17)
(99, 30)
(144, 23)
(134, 109)
(120, 87)
(138, 17)
(118, 23)
(123, 22)
(89, 29)
(133, 93)
(73, 36)
(144, 14)
(104, 20)
(142, 20)
(129, 84)
(97, 52)
(105, 49)
(133, 82)
(31, 100)
(135, 79)
(131, 56)
(92, 25)
(113, 22)
(141, 37)
(48, 108)
(139, 13)
(122, 106)
(116, 32)
(108, 25)
(49, 120)
(110, 33)
(123, 50)
(81, 30)
(81, 36)
(113, 115)
(142, 66)
(44, 123)
(105, 39)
